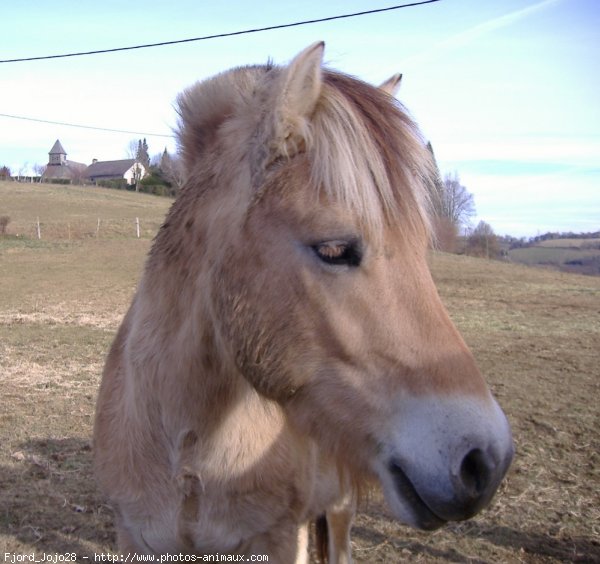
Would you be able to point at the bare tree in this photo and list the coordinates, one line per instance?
(39, 169)
(454, 202)
(132, 149)
(138, 149)
(137, 176)
(23, 171)
(172, 170)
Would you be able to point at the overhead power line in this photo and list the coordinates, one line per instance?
(86, 126)
(219, 35)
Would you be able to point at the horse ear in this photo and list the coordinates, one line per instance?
(392, 84)
(302, 82)
(292, 102)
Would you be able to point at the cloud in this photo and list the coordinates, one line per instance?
(475, 32)
(580, 151)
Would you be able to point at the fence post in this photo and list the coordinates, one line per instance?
(98, 228)
(137, 226)
(39, 232)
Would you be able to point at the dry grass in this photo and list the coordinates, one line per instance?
(535, 334)
(78, 212)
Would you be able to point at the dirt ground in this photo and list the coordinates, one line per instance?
(535, 334)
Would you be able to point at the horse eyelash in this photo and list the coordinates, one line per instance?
(339, 253)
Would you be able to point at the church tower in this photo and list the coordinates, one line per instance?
(58, 156)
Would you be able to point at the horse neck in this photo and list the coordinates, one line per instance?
(191, 375)
(177, 366)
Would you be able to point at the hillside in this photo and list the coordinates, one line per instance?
(76, 212)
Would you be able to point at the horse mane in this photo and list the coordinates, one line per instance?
(368, 153)
(363, 148)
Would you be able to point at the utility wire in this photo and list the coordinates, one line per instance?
(219, 35)
(86, 126)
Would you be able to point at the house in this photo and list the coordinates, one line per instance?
(59, 168)
(63, 170)
(128, 169)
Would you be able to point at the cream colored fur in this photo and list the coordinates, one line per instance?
(251, 387)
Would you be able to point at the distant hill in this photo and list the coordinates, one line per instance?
(581, 256)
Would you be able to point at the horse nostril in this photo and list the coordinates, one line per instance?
(475, 473)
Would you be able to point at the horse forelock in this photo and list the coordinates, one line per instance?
(366, 152)
(363, 149)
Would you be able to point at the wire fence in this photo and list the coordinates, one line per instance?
(85, 228)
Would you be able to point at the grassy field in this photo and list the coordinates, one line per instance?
(534, 332)
(77, 212)
(570, 255)
(571, 243)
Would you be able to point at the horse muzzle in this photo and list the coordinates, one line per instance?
(444, 460)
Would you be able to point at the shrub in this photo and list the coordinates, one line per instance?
(482, 242)
(156, 189)
(153, 179)
(445, 234)
(117, 183)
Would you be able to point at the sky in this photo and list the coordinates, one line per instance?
(507, 92)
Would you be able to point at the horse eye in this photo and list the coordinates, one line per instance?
(345, 253)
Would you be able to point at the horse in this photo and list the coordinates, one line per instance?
(286, 346)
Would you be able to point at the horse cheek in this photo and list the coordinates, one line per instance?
(258, 342)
